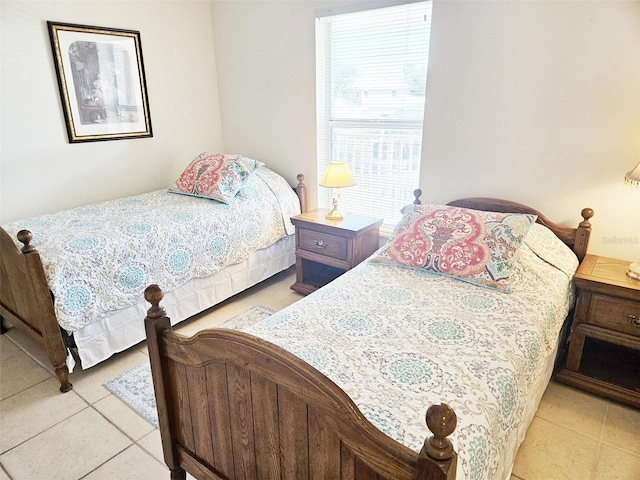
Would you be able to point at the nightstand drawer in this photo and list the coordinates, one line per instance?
(615, 314)
(323, 243)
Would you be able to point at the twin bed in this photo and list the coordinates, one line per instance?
(76, 284)
(337, 384)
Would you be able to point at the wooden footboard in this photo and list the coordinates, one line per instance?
(232, 406)
(26, 302)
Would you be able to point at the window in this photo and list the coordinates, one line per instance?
(371, 69)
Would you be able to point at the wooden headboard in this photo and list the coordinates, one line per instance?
(576, 238)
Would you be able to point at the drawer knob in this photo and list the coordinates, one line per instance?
(320, 244)
(634, 320)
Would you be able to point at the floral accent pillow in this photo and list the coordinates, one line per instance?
(216, 176)
(472, 245)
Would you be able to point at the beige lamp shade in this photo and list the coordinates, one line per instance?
(633, 177)
(336, 175)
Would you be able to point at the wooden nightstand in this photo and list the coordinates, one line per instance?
(604, 343)
(325, 249)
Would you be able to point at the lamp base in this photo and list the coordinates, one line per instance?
(334, 214)
(634, 270)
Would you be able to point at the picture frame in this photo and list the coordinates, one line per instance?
(102, 82)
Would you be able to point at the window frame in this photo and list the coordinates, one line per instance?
(328, 123)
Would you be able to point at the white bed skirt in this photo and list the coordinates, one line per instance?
(123, 329)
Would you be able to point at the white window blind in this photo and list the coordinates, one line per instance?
(371, 69)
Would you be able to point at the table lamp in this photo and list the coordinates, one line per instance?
(336, 175)
(632, 178)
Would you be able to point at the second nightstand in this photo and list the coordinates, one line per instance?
(604, 344)
(325, 249)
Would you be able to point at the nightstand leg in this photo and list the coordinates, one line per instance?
(576, 345)
(299, 270)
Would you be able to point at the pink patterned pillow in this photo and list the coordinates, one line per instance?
(471, 245)
(215, 176)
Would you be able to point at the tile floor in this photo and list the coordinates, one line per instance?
(90, 434)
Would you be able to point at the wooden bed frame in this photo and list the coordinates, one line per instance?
(27, 303)
(233, 406)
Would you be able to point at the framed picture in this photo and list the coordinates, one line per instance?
(102, 83)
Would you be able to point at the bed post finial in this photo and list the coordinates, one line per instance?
(437, 458)
(301, 191)
(442, 421)
(154, 294)
(25, 237)
(416, 193)
(583, 232)
(586, 213)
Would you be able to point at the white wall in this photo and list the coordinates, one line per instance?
(538, 102)
(40, 171)
(265, 52)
